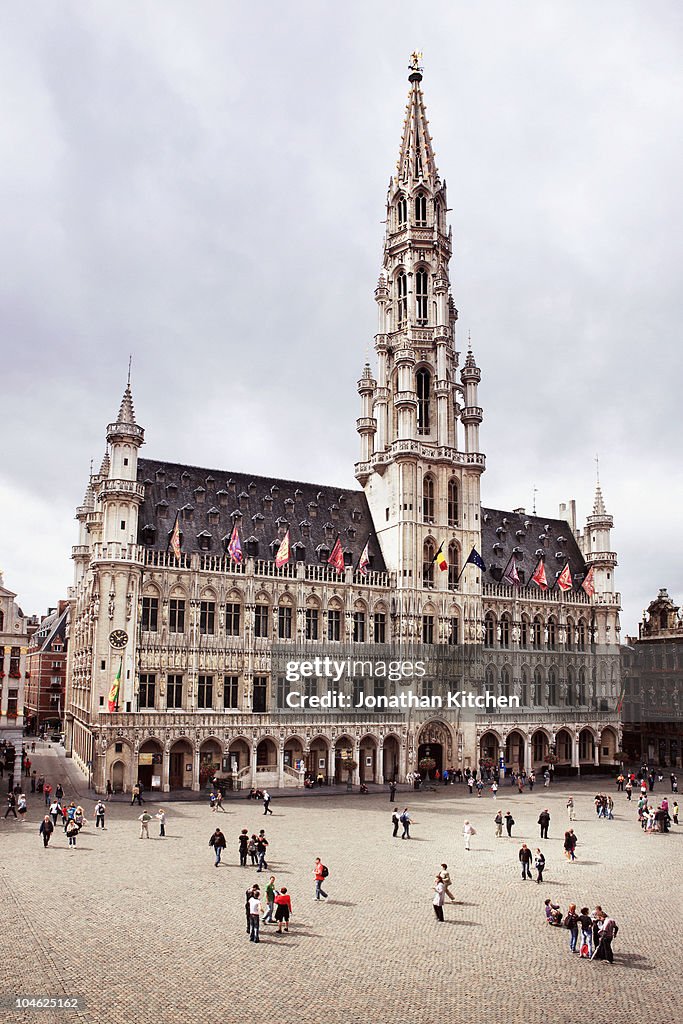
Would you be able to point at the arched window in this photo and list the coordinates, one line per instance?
(421, 210)
(581, 636)
(421, 297)
(453, 564)
(524, 688)
(428, 503)
(505, 630)
(552, 633)
(402, 299)
(581, 696)
(505, 682)
(524, 632)
(489, 630)
(569, 635)
(423, 381)
(2, 620)
(453, 504)
(571, 689)
(402, 211)
(429, 551)
(537, 632)
(552, 687)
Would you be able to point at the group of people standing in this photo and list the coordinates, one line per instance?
(593, 934)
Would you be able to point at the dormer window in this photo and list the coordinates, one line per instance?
(351, 531)
(313, 509)
(199, 494)
(323, 552)
(305, 528)
(334, 511)
(251, 547)
(274, 490)
(243, 499)
(172, 490)
(299, 552)
(148, 534)
(185, 477)
(188, 512)
(232, 485)
(356, 515)
(210, 481)
(257, 518)
(213, 515)
(162, 508)
(251, 487)
(289, 504)
(267, 503)
(223, 496)
(204, 540)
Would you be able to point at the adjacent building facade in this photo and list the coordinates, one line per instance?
(46, 672)
(198, 642)
(14, 627)
(652, 703)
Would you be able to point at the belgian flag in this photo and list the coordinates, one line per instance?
(440, 558)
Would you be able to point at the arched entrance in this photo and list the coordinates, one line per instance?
(210, 755)
(540, 744)
(266, 757)
(316, 762)
(434, 743)
(343, 759)
(563, 747)
(586, 747)
(390, 759)
(239, 756)
(489, 750)
(150, 757)
(608, 746)
(180, 765)
(367, 767)
(294, 754)
(514, 751)
(118, 776)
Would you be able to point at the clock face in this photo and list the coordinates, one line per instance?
(118, 639)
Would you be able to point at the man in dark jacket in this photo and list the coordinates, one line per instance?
(544, 821)
(525, 861)
(509, 822)
(217, 840)
(46, 829)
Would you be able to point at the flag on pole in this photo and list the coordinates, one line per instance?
(475, 558)
(234, 545)
(588, 584)
(174, 542)
(364, 560)
(336, 559)
(511, 575)
(539, 577)
(620, 702)
(283, 552)
(113, 698)
(440, 559)
(564, 580)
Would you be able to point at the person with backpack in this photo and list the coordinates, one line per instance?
(509, 822)
(571, 922)
(499, 824)
(405, 820)
(100, 810)
(243, 847)
(321, 874)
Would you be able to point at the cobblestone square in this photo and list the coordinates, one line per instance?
(149, 931)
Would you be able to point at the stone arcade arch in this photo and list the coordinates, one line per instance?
(210, 758)
(150, 758)
(391, 758)
(514, 751)
(180, 764)
(344, 751)
(368, 767)
(435, 741)
(489, 749)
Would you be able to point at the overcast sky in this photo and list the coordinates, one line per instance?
(203, 185)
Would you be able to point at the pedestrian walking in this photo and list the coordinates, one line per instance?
(261, 849)
(109, 790)
(22, 806)
(480, 786)
(468, 831)
(539, 864)
(253, 850)
(446, 879)
(674, 812)
(46, 829)
(247, 909)
(212, 800)
(509, 822)
(100, 809)
(137, 795)
(283, 913)
(392, 792)
(544, 821)
(569, 845)
(494, 789)
(11, 805)
(270, 901)
(470, 784)
(144, 820)
(629, 790)
(395, 821)
(243, 847)
(438, 898)
(219, 801)
(570, 809)
(321, 874)
(59, 792)
(217, 840)
(47, 790)
(546, 779)
(33, 781)
(72, 831)
(406, 821)
(571, 922)
(55, 811)
(266, 802)
(586, 924)
(499, 824)
(525, 860)
(255, 910)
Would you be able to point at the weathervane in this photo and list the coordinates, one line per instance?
(597, 468)
(535, 493)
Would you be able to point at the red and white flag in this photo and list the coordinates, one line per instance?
(539, 576)
(174, 541)
(336, 559)
(283, 552)
(364, 560)
(564, 580)
(589, 584)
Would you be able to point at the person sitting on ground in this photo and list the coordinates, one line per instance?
(553, 914)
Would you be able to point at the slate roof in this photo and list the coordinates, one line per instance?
(529, 537)
(211, 501)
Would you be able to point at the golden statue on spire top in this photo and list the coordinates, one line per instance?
(415, 58)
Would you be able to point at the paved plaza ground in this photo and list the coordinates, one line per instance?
(150, 931)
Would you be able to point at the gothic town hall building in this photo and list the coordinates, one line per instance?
(197, 640)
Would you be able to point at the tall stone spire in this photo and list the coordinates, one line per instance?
(416, 162)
